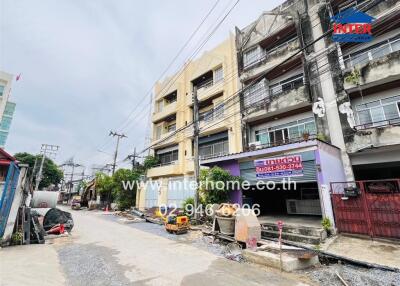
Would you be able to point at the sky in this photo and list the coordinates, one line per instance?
(88, 66)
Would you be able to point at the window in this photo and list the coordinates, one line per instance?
(218, 74)
(210, 115)
(374, 52)
(10, 108)
(255, 93)
(159, 105)
(285, 133)
(158, 131)
(170, 98)
(5, 123)
(287, 85)
(1, 90)
(3, 138)
(171, 127)
(214, 149)
(168, 157)
(252, 56)
(379, 112)
(219, 111)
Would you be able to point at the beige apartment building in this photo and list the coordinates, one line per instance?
(215, 76)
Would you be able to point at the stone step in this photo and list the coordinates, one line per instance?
(308, 239)
(295, 229)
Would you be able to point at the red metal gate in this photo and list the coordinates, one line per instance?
(367, 207)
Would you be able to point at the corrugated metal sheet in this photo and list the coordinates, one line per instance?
(248, 170)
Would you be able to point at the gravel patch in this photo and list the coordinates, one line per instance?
(90, 264)
(354, 276)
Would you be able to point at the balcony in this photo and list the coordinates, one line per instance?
(162, 141)
(212, 120)
(382, 134)
(207, 151)
(266, 60)
(165, 170)
(166, 111)
(377, 65)
(377, 11)
(277, 99)
(207, 90)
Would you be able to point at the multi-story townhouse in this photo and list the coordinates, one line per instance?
(332, 106)
(368, 90)
(7, 107)
(289, 112)
(214, 76)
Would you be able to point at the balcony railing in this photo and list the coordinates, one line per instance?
(378, 51)
(382, 123)
(214, 150)
(216, 113)
(284, 86)
(282, 142)
(205, 84)
(265, 54)
(263, 95)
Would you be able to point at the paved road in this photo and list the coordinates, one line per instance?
(101, 251)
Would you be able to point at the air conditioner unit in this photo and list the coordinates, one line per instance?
(255, 145)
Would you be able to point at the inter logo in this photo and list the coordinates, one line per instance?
(352, 26)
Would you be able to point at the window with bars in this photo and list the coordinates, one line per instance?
(214, 149)
(171, 128)
(286, 85)
(379, 112)
(213, 114)
(218, 74)
(374, 52)
(255, 93)
(289, 132)
(252, 56)
(168, 157)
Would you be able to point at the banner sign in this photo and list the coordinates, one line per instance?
(352, 26)
(287, 166)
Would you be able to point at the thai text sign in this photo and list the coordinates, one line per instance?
(287, 166)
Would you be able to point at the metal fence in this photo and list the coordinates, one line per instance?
(369, 207)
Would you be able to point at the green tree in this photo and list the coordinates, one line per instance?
(150, 162)
(51, 173)
(216, 184)
(104, 185)
(124, 194)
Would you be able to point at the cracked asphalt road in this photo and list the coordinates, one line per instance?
(102, 251)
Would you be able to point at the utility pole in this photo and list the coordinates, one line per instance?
(70, 163)
(119, 136)
(46, 149)
(196, 149)
(133, 157)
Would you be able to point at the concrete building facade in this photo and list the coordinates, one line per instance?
(214, 74)
(335, 107)
(7, 107)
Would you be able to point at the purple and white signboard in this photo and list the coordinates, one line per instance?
(287, 166)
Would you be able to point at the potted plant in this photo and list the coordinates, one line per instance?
(306, 135)
(327, 225)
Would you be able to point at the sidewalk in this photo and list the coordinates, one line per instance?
(364, 249)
